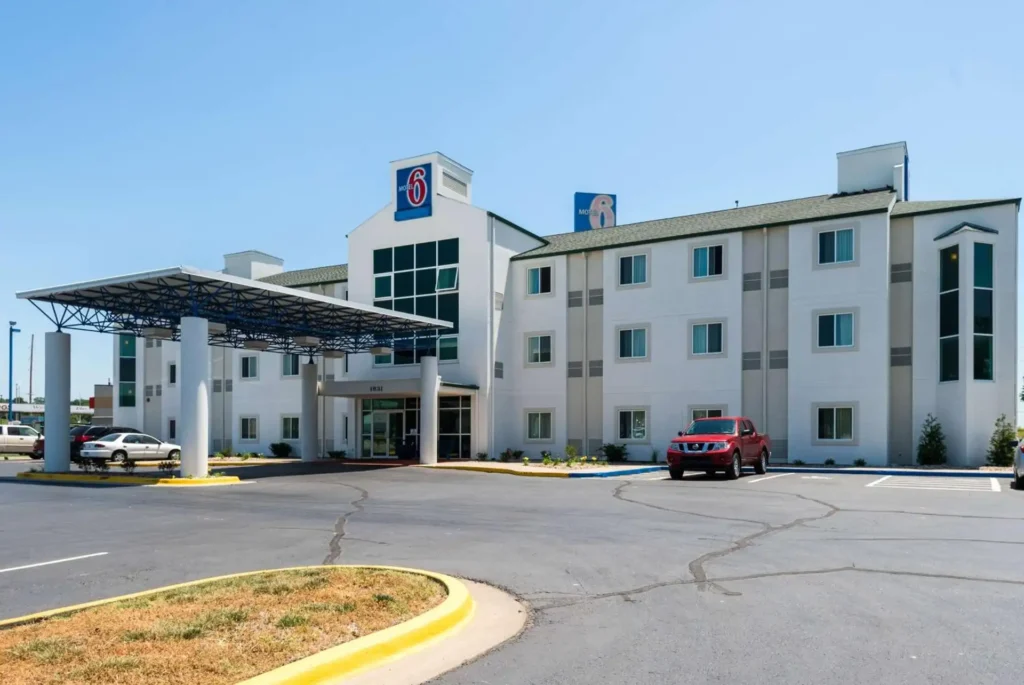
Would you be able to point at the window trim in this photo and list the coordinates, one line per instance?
(831, 228)
(688, 418)
(646, 327)
(700, 244)
(707, 355)
(172, 383)
(437, 278)
(974, 314)
(815, 313)
(646, 440)
(241, 367)
(241, 432)
(542, 265)
(280, 427)
(289, 376)
(526, 425)
(623, 254)
(526, 349)
(836, 404)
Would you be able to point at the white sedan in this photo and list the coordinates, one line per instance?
(132, 446)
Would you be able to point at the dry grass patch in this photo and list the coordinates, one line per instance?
(214, 633)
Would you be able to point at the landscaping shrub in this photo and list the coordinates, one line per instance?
(1000, 446)
(830, 462)
(799, 462)
(526, 461)
(931, 448)
(481, 456)
(614, 453)
(570, 452)
(167, 467)
(859, 462)
(128, 466)
(281, 449)
(507, 455)
(336, 454)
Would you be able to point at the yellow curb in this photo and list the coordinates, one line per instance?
(345, 659)
(496, 469)
(128, 480)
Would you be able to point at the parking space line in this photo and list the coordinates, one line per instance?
(876, 482)
(995, 485)
(777, 475)
(56, 561)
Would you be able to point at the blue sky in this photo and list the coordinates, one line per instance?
(138, 135)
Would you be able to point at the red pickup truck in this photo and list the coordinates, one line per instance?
(723, 443)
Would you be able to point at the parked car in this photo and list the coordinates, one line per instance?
(81, 435)
(118, 447)
(18, 439)
(726, 443)
(1018, 467)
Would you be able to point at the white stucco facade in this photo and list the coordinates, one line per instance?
(513, 286)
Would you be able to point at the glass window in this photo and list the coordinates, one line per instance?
(448, 278)
(382, 286)
(835, 423)
(835, 330)
(705, 414)
(426, 255)
(707, 338)
(126, 369)
(835, 247)
(290, 365)
(983, 358)
(250, 429)
(949, 359)
(538, 280)
(707, 261)
(404, 257)
(406, 305)
(290, 428)
(539, 349)
(448, 310)
(172, 374)
(448, 349)
(982, 310)
(949, 313)
(633, 424)
(172, 429)
(538, 425)
(126, 345)
(426, 280)
(632, 343)
(382, 261)
(949, 269)
(405, 284)
(126, 394)
(426, 305)
(633, 270)
(250, 367)
(982, 265)
(448, 251)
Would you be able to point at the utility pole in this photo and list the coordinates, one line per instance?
(10, 369)
(31, 353)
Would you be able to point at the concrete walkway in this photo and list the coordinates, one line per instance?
(541, 471)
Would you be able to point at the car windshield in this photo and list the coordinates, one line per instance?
(712, 427)
(78, 431)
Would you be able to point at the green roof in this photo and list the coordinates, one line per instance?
(319, 275)
(818, 208)
(933, 206)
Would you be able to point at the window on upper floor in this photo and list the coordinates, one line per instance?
(707, 338)
(836, 247)
(250, 367)
(172, 373)
(633, 269)
(949, 314)
(835, 330)
(632, 343)
(984, 325)
(289, 364)
(538, 280)
(538, 349)
(707, 261)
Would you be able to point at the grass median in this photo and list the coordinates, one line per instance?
(218, 632)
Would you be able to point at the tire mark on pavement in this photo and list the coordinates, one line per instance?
(334, 547)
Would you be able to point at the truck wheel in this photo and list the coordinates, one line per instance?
(762, 463)
(675, 473)
(736, 468)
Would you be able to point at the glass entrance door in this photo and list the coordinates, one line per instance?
(388, 431)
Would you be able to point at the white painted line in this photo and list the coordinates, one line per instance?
(777, 475)
(47, 563)
(995, 485)
(930, 487)
(876, 482)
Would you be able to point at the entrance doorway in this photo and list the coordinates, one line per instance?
(388, 432)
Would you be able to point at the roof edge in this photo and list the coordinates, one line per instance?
(982, 203)
(519, 228)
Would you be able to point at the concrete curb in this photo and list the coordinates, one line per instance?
(623, 472)
(154, 481)
(343, 660)
(854, 471)
(552, 474)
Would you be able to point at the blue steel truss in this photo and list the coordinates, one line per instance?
(249, 314)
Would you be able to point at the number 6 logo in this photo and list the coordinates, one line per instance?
(416, 187)
(602, 215)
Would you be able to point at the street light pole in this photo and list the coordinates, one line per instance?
(10, 369)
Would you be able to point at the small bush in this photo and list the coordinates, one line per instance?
(570, 452)
(546, 460)
(218, 455)
(931, 448)
(281, 450)
(830, 462)
(336, 454)
(128, 466)
(614, 453)
(799, 462)
(167, 467)
(1000, 446)
(859, 462)
(101, 466)
(507, 455)
(244, 457)
(481, 456)
(526, 461)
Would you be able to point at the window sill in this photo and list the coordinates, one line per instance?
(632, 286)
(538, 365)
(837, 349)
(536, 296)
(834, 265)
(634, 441)
(709, 355)
(631, 360)
(540, 441)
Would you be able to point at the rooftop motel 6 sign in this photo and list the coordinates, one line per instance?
(414, 193)
(594, 210)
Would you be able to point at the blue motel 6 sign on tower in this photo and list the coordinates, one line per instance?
(414, 195)
(593, 210)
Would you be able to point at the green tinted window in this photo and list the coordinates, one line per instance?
(126, 346)
(126, 394)
(126, 370)
(448, 349)
(426, 255)
(426, 306)
(382, 286)
(949, 269)
(425, 281)
(404, 284)
(382, 261)
(448, 251)
(403, 257)
(383, 304)
(982, 265)
(405, 305)
(448, 310)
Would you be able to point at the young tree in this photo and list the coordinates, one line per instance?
(931, 448)
(1000, 447)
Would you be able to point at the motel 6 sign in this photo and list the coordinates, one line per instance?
(414, 193)
(593, 210)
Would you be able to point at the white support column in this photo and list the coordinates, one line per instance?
(194, 421)
(57, 448)
(429, 384)
(308, 432)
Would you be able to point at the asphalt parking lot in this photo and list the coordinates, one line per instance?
(784, 578)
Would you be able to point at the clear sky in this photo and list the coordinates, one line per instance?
(139, 135)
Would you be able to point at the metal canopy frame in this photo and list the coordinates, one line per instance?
(250, 310)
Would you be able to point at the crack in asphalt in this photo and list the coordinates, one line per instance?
(617, 494)
(334, 547)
